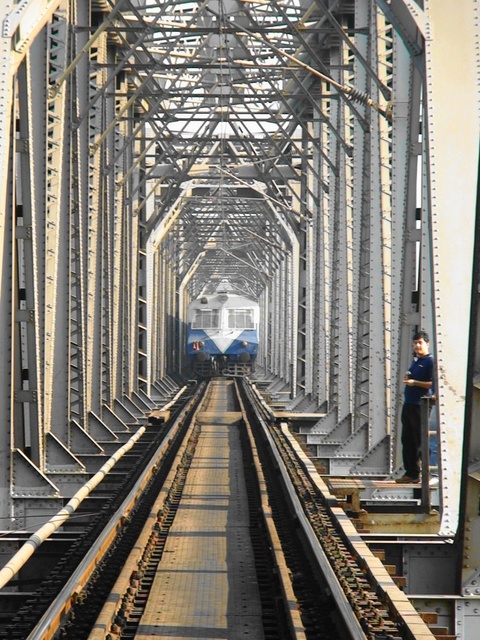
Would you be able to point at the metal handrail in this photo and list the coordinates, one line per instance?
(426, 404)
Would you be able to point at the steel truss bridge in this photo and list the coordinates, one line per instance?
(322, 156)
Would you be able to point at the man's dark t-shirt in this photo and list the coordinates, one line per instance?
(421, 369)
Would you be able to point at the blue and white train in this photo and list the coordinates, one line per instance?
(222, 335)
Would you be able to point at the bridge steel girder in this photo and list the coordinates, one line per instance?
(452, 118)
(94, 221)
(71, 240)
(354, 271)
(452, 58)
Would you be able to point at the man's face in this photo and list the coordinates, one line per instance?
(420, 347)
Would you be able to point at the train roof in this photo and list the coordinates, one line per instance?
(217, 300)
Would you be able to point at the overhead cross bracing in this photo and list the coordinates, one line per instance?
(228, 105)
(322, 156)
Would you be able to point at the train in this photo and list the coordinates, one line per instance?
(222, 335)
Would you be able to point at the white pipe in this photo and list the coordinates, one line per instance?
(14, 565)
(172, 402)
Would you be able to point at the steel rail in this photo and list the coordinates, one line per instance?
(406, 617)
(293, 614)
(122, 588)
(48, 625)
(25, 552)
(122, 595)
(396, 602)
(129, 593)
(19, 559)
(349, 618)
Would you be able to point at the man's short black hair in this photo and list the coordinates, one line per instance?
(421, 334)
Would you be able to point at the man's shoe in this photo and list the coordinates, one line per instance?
(407, 480)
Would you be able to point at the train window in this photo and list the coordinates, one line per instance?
(240, 319)
(206, 319)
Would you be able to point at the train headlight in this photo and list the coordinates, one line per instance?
(244, 357)
(244, 343)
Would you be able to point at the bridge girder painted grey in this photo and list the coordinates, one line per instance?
(308, 152)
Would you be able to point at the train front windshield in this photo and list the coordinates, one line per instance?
(240, 319)
(206, 319)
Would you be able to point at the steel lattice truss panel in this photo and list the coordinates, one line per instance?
(229, 91)
(151, 149)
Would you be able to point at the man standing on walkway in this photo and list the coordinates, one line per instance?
(418, 382)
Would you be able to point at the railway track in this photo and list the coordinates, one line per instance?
(308, 573)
